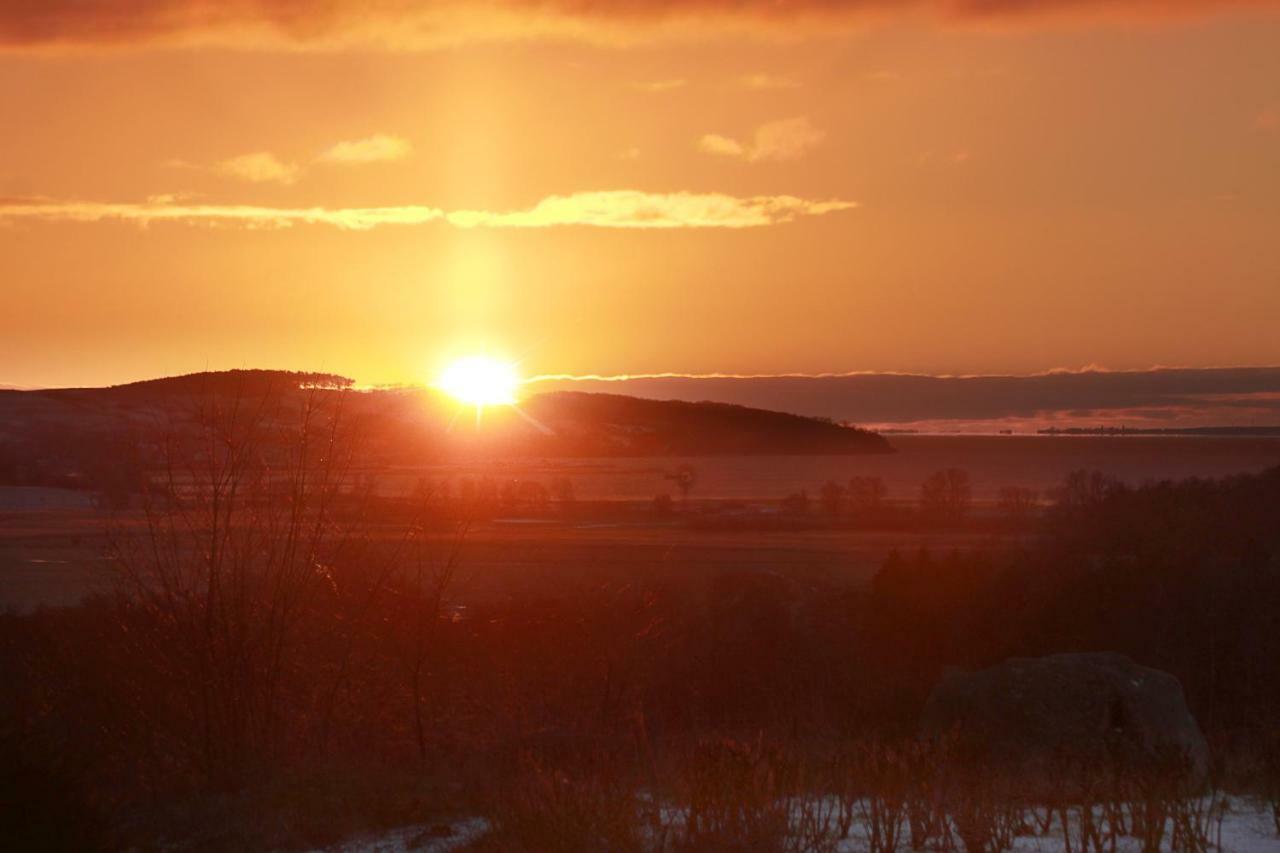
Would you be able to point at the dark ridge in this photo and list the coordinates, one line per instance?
(249, 381)
(72, 429)
(677, 427)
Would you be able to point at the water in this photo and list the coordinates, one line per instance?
(1037, 462)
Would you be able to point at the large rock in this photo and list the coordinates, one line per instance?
(1057, 718)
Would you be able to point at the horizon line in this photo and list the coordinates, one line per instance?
(1089, 369)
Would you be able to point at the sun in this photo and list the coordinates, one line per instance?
(480, 381)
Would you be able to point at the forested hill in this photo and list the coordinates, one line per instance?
(675, 427)
(66, 429)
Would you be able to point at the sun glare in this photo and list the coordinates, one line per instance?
(480, 381)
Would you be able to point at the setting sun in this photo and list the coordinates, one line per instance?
(480, 381)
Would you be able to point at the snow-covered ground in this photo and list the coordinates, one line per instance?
(1246, 828)
(436, 837)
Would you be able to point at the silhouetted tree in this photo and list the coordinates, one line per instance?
(8, 464)
(532, 496)
(685, 477)
(867, 494)
(242, 539)
(796, 503)
(946, 495)
(832, 496)
(1017, 503)
(1083, 488)
(562, 490)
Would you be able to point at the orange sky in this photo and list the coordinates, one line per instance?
(610, 188)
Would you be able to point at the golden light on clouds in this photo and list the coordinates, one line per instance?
(607, 209)
(380, 148)
(260, 167)
(785, 139)
(419, 24)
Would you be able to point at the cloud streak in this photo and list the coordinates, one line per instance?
(380, 148)
(606, 209)
(786, 139)
(434, 23)
(658, 86)
(260, 167)
(761, 81)
(263, 167)
(1160, 396)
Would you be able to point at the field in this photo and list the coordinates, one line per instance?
(1032, 461)
(53, 557)
(50, 539)
(582, 653)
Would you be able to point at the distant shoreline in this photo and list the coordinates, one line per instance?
(1088, 432)
(1225, 431)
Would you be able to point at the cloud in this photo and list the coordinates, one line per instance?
(767, 82)
(414, 24)
(714, 143)
(955, 158)
(635, 209)
(786, 139)
(656, 86)
(160, 209)
(263, 167)
(606, 209)
(260, 167)
(372, 149)
(1188, 396)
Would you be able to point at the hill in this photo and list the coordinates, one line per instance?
(615, 423)
(58, 436)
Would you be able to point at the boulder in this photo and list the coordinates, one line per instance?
(1068, 717)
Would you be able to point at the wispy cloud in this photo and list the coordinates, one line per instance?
(379, 148)
(161, 209)
(607, 209)
(1186, 396)
(786, 139)
(635, 209)
(656, 86)
(260, 167)
(765, 82)
(958, 157)
(422, 24)
(263, 167)
(714, 143)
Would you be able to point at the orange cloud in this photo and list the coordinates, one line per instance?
(431, 23)
(373, 149)
(767, 82)
(657, 86)
(787, 139)
(260, 167)
(608, 209)
(635, 209)
(1192, 396)
(164, 209)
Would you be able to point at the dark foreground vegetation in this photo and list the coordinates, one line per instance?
(284, 663)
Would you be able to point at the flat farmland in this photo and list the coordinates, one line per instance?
(56, 557)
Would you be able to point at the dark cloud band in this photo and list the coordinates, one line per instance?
(1244, 395)
(42, 24)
